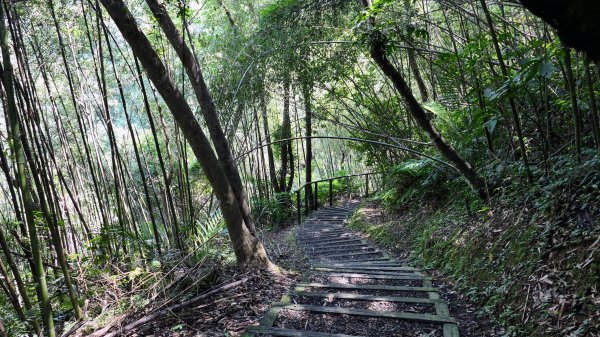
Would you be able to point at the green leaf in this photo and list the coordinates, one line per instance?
(435, 108)
(491, 125)
(546, 70)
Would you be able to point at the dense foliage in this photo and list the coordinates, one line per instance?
(98, 177)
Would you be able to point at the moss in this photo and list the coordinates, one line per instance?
(379, 233)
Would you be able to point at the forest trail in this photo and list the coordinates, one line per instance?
(354, 289)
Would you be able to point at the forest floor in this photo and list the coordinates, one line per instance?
(229, 313)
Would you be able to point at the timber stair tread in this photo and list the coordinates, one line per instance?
(293, 333)
(347, 270)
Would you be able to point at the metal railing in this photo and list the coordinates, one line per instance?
(311, 198)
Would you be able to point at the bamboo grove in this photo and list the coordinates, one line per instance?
(134, 132)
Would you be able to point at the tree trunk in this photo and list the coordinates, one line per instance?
(209, 110)
(18, 279)
(573, 95)
(285, 126)
(247, 247)
(38, 272)
(412, 62)
(420, 116)
(270, 157)
(511, 101)
(593, 105)
(306, 95)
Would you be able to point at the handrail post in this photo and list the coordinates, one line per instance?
(306, 195)
(330, 192)
(298, 206)
(349, 182)
(316, 197)
(367, 185)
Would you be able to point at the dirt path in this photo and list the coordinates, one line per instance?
(355, 289)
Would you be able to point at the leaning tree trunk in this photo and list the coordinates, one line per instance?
(420, 116)
(247, 247)
(209, 110)
(377, 51)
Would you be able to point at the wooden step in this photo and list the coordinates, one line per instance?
(324, 230)
(406, 316)
(302, 286)
(359, 297)
(378, 264)
(354, 254)
(366, 259)
(375, 276)
(330, 243)
(326, 236)
(291, 333)
(358, 248)
(352, 245)
(370, 272)
(383, 269)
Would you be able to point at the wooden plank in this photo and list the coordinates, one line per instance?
(324, 231)
(316, 230)
(369, 259)
(327, 238)
(441, 309)
(321, 231)
(451, 330)
(351, 245)
(291, 333)
(434, 295)
(342, 250)
(337, 242)
(365, 287)
(334, 245)
(407, 316)
(369, 271)
(356, 247)
(359, 297)
(376, 264)
(324, 223)
(366, 267)
(365, 271)
(375, 276)
(339, 220)
(354, 254)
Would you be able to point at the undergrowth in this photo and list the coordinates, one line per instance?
(530, 257)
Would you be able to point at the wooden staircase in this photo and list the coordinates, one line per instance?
(354, 289)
